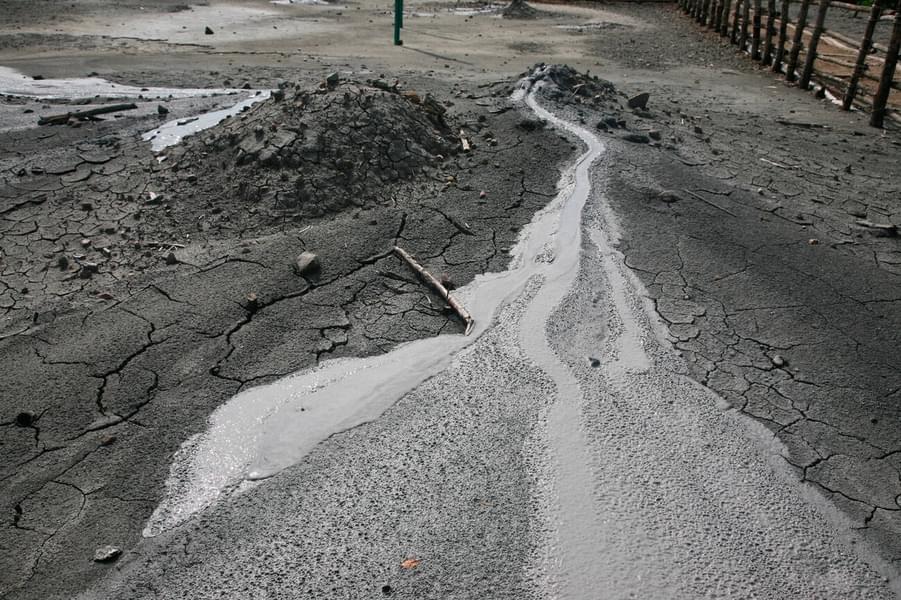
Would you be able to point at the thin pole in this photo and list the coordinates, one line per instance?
(783, 36)
(770, 32)
(398, 21)
(814, 42)
(735, 19)
(797, 42)
(724, 17)
(861, 65)
(755, 36)
(888, 72)
(745, 22)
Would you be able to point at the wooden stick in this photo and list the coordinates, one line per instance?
(724, 18)
(745, 24)
(877, 119)
(852, 42)
(735, 20)
(439, 289)
(783, 37)
(755, 35)
(797, 42)
(770, 32)
(814, 42)
(62, 119)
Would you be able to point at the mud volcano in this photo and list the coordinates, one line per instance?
(305, 154)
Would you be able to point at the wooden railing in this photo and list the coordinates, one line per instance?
(841, 65)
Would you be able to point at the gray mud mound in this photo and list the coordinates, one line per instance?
(518, 9)
(311, 153)
(569, 83)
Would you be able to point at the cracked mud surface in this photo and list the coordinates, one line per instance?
(120, 366)
(116, 370)
(751, 227)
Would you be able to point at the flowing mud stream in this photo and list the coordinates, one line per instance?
(647, 484)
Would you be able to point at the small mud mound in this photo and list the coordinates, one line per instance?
(310, 153)
(518, 9)
(568, 82)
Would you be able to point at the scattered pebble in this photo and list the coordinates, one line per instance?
(107, 553)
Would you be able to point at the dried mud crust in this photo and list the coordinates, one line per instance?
(757, 244)
(117, 365)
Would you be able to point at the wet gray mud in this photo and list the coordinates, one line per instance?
(560, 451)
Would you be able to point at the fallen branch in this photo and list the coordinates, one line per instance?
(84, 114)
(436, 285)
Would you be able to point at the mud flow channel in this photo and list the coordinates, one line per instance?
(647, 484)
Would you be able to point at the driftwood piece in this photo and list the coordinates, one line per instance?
(442, 291)
(861, 64)
(797, 42)
(877, 119)
(62, 119)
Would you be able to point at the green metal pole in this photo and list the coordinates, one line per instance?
(398, 21)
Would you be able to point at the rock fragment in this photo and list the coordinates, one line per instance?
(306, 262)
(105, 554)
(639, 101)
(208, 30)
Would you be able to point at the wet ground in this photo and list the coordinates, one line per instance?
(749, 222)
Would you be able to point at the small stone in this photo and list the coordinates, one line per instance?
(698, 130)
(278, 95)
(105, 296)
(25, 419)
(171, 259)
(208, 31)
(669, 196)
(386, 589)
(594, 362)
(107, 553)
(483, 194)
(88, 269)
(62, 262)
(654, 135)
(778, 361)
(85, 242)
(162, 110)
(639, 101)
(108, 440)
(306, 262)
(813, 241)
(332, 79)
(637, 138)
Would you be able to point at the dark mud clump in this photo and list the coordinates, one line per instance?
(569, 84)
(306, 154)
(518, 9)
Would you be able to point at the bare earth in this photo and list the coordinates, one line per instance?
(762, 222)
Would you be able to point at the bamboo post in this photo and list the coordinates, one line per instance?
(861, 65)
(797, 42)
(725, 9)
(814, 42)
(770, 32)
(888, 72)
(714, 11)
(430, 280)
(745, 24)
(783, 37)
(703, 10)
(735, 19)
(755, 36)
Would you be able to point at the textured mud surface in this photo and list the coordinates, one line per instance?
(121, 341)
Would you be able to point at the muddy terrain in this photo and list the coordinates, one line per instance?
(139, 290)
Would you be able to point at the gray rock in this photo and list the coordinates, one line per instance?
(332, 79)
(778, 361)
(105, 554)
(162, 110)
(637, 138)
(306, 262)
(208, 31)
(669, 196)
(654, 135)
(639, 101)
